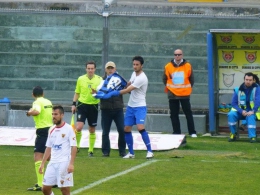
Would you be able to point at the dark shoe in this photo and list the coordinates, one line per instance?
(122, 154)
(253, 140)
(232, 137)
(242, 127)
(90, 154)
(105, 155)
(35, 188)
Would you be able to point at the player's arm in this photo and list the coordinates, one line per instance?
(74, 103)
(117, 93)
(46, 156)
(127, 90)
(75, 97)
(35, 110)
(72, 159)
(73, 144)
(32, 112)
(128, 84)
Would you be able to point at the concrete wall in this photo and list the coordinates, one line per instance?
(153, 123)
(50, 48)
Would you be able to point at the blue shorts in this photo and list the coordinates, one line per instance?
(135, 115)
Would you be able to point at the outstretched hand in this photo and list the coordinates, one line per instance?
(111, 94)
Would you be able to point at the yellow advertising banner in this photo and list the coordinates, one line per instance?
(238, 40)
(237, 54)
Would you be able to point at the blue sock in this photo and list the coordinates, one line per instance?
(129, 141)
(146, 139)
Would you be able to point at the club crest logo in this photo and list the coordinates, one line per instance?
(114, 82)
(228, 56)
(228, 79)
(250, 56)
(226, 39)
(249, 39)
(63, 135)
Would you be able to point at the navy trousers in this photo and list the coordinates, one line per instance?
(107, 117)
(174, 105)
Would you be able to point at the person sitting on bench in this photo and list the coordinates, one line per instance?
(244, 124)
(245, 104)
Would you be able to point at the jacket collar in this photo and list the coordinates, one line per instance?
(181, 64)
(243, 88)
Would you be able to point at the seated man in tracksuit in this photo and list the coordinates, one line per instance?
(244, 124)
(245, 104)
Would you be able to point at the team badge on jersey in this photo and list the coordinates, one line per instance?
(228, 79)
(249, 39)
(250, 56)
(226, 39)
(63, 135)
(228, 56)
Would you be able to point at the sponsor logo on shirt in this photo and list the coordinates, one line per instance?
(57, 147)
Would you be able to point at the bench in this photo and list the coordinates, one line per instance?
(224, 107)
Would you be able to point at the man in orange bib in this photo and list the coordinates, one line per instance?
(178, 79)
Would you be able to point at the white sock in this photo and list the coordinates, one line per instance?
(52, 193)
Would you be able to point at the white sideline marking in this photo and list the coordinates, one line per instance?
(112, 177)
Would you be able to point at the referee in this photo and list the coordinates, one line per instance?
(42, 115)
(86, 105)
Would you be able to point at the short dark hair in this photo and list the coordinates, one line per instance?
(91, 62)
(58, 107)
(249, 74)
(256, 78)
(139, 58)
(37, 91)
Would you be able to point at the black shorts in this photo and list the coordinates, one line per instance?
(89, 112)
(41, 138)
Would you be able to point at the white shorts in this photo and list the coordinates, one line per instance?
(57, 174)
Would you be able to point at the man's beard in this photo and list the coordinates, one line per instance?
(58, 122)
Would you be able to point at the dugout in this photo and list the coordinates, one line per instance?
(231, 53)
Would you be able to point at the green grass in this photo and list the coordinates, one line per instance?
(205, 166)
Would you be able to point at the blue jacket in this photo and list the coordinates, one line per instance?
(247, 92)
